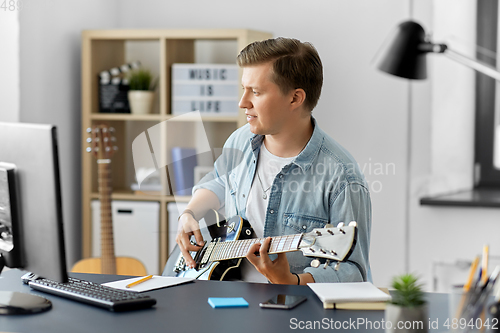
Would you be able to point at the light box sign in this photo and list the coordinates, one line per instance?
(211, 89)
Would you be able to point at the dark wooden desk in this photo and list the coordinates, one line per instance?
(184, 308)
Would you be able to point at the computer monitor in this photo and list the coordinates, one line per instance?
(31, 236)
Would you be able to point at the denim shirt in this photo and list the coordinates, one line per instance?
(323, 184)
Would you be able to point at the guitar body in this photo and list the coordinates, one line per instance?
(124, 266)
(233, 229)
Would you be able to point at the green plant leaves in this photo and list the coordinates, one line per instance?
(407, 291)
(141, 79)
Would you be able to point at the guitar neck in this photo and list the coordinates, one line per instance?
(239, 249)
(107, 242)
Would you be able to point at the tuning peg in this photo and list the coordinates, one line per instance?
(96, 149)
(337, 265)
(315, 263)
(340, 225)
(104, 130)
(115, 148)
(112, 129)
(89, 130)
(326, 263)
(89, 140)
(353, 224)
(113, 139)
(106, 139)
(108, 149)
(97, 139)
(88, 150)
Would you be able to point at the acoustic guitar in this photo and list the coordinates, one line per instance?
(102, 148)
(220, 258)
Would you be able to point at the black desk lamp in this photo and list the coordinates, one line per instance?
(405, 54)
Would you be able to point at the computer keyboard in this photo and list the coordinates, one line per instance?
(92, 293)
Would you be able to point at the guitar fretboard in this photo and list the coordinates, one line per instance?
(239, 249)
(107, 244)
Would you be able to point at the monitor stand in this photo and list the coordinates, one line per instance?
(12, 302)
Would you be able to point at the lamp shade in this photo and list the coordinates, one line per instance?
(402, 55)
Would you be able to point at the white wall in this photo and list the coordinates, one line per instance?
(50, 87)
(9, 65)
(360, 107)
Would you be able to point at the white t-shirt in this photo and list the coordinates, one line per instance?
(268, 167)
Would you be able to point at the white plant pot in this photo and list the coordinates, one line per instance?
(141, 101)
(409, 319)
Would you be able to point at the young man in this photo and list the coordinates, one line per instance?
(281, 171)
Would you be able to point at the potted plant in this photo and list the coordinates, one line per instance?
(407, 311)
(141, 91)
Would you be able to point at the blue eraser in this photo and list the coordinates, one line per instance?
(227, 302)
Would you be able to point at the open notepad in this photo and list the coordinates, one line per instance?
(351, 295)
(156, 282)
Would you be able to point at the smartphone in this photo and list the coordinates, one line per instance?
(282, 301)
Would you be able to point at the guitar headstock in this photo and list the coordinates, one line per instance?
(332, 243)
(102, 141)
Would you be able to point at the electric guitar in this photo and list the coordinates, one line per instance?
(231, 239)
(103, 149)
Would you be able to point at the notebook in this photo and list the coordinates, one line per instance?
(351, 295)
(227, 302)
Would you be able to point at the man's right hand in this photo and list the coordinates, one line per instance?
(188, 227)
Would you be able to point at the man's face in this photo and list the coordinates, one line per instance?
(267, 109)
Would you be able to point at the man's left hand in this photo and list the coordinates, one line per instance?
(277, 271)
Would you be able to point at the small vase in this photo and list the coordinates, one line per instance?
(406, 319)
(140, 101)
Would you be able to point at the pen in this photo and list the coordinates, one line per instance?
(130, 285)
(484, 264)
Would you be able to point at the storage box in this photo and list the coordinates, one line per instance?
(174, 209)
(135, 229)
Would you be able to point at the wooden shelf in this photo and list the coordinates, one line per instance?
(126, 116)
(130, 195)
(158, 118)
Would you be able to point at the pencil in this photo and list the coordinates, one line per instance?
(130, 285)
(472, 270)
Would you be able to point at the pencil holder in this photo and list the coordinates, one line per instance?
(460, 316)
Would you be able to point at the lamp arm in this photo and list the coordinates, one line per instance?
(474, 64)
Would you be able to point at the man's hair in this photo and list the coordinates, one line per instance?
(295, 65)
